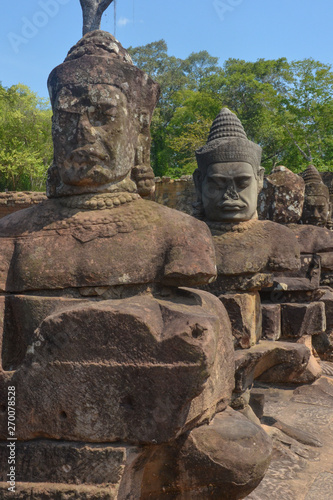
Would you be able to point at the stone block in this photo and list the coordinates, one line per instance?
(245, 316)
(214, 458)
(305, 279)
(271, 321)
(327, 299)
(326, 259)
(45, 461)
(138, 370)
(271, 362)
(299, 320)
(49, 491)
(2, 317)
(282, 197)
(18, 334)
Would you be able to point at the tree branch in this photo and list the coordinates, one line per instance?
(291, 135)
(92, 11)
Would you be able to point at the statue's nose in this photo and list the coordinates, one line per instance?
(85, 132)
(231, 193)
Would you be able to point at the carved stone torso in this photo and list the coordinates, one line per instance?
(52, 247)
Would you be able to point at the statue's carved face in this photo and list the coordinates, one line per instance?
(230, 192)
(92, 135)
(316, 210)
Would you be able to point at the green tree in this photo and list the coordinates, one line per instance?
(305, 113)
(175, 76)
(285, 107)
(25, 139)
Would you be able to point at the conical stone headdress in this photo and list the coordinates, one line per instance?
(227, 142)
(311, 175)
(313, 182)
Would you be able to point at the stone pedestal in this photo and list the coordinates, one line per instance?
(271, 321)
(299, 320)
(245, 315)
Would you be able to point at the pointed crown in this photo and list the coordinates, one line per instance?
(314, 185)
(227, 142)
(311, 175)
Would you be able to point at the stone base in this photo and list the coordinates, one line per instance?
(274, 362)
(302, 319)
(49, 491)
(245, 315)
(271, 321)
(46, 469)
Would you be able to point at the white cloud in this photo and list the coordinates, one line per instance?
(123, 21)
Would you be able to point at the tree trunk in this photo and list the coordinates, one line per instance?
(92, 13)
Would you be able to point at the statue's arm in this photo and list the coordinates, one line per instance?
(6, 257)
(191, 257)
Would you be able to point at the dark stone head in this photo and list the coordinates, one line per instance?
(316, 209)
(102, 106)
(229, 176)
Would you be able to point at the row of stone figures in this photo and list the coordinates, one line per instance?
(306, 198)
(131, 333)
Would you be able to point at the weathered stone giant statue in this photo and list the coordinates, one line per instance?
(249, 253)
(228, 180)
(316, 208)
(122, 379)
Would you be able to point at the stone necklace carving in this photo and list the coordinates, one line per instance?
(100, 201)
(236, 227)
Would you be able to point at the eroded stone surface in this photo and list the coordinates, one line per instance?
(271, 321)
(282, 197)
(272, 362)
(214, 458)
(137, 370)
(303, 319)
(245, 315)
(138, 242)
(299, 471)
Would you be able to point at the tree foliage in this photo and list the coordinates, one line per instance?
(25, 139)
(286, 107)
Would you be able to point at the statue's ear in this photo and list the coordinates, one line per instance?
(197, 177)
(261, 178)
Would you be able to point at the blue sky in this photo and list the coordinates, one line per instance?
(36, 35)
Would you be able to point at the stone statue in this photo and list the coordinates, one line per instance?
(228, 180)
(282, 197)
(229, 176)
(113, 363)
(316, 208)
(250, 254)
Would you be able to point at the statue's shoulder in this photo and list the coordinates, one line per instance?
(179, 222)
(312, 239)
(28, 220)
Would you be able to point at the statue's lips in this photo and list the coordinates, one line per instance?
(232, 207)
(87, 157)
(87, 167)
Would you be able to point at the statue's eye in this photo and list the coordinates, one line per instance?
(242, 182)
(67, 104)
(101, 114)
(219, 182)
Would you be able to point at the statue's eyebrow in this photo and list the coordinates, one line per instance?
(225, 176)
